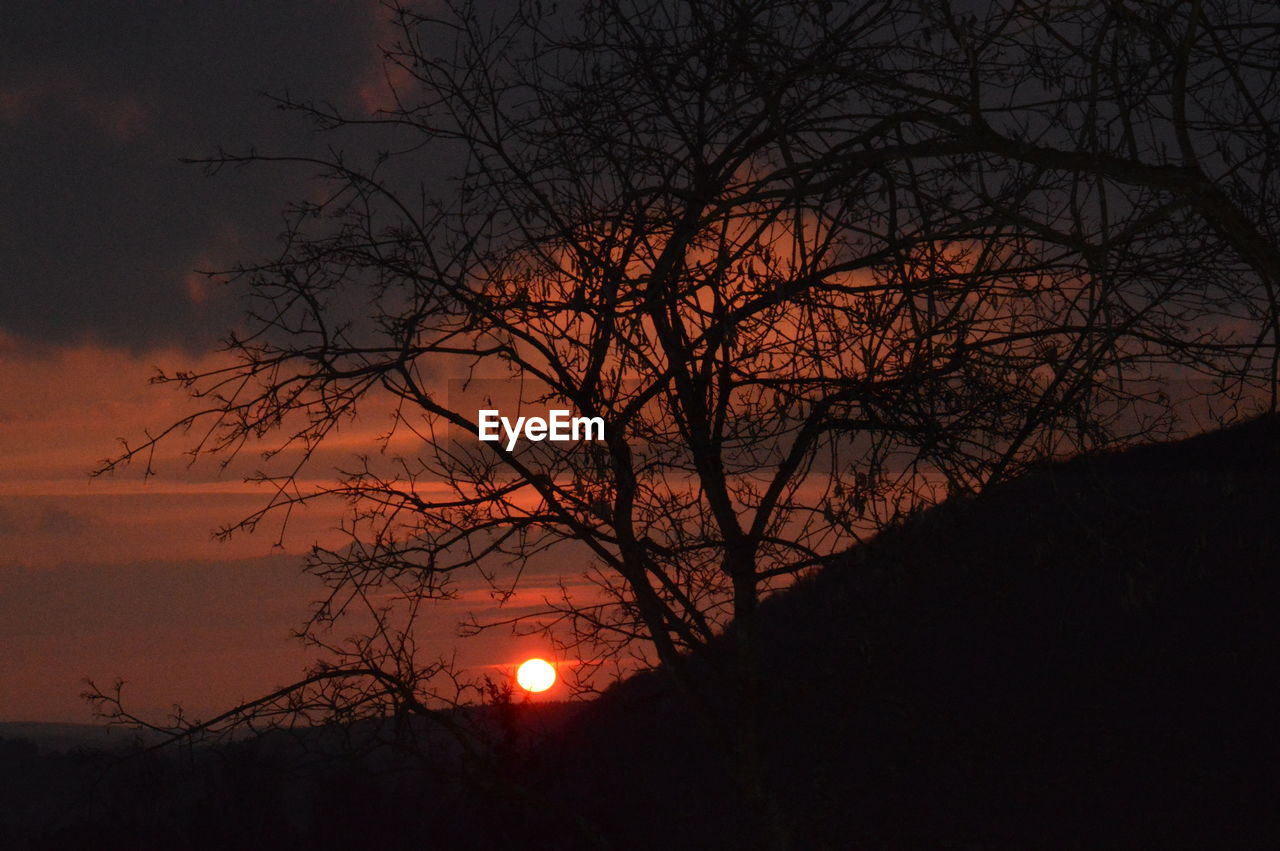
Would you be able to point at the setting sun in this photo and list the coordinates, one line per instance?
(536, 675)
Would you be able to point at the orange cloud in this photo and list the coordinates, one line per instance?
(381, 83)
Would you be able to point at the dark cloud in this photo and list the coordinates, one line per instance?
(99, 100)
(44, 520)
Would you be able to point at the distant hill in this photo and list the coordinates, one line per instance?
(59, 737)
(1083, 657)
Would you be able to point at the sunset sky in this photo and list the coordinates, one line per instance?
(751, 423)
(104, 233)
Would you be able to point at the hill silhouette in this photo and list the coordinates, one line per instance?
(1082, 657)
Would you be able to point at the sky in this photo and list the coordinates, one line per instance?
(106, 233)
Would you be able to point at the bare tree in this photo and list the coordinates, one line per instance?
(815, 267)
(1146, 132)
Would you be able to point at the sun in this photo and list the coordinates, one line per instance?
(536, 675)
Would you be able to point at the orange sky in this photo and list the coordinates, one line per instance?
(121, 577)
(104, 229)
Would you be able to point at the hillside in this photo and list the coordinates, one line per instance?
(1083, 657)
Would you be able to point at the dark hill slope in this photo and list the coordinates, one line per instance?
(1082, 657)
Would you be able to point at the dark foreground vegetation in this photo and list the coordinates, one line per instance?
(1083, 657)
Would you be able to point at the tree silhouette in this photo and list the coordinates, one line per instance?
(1152, 156)
(815, 265)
